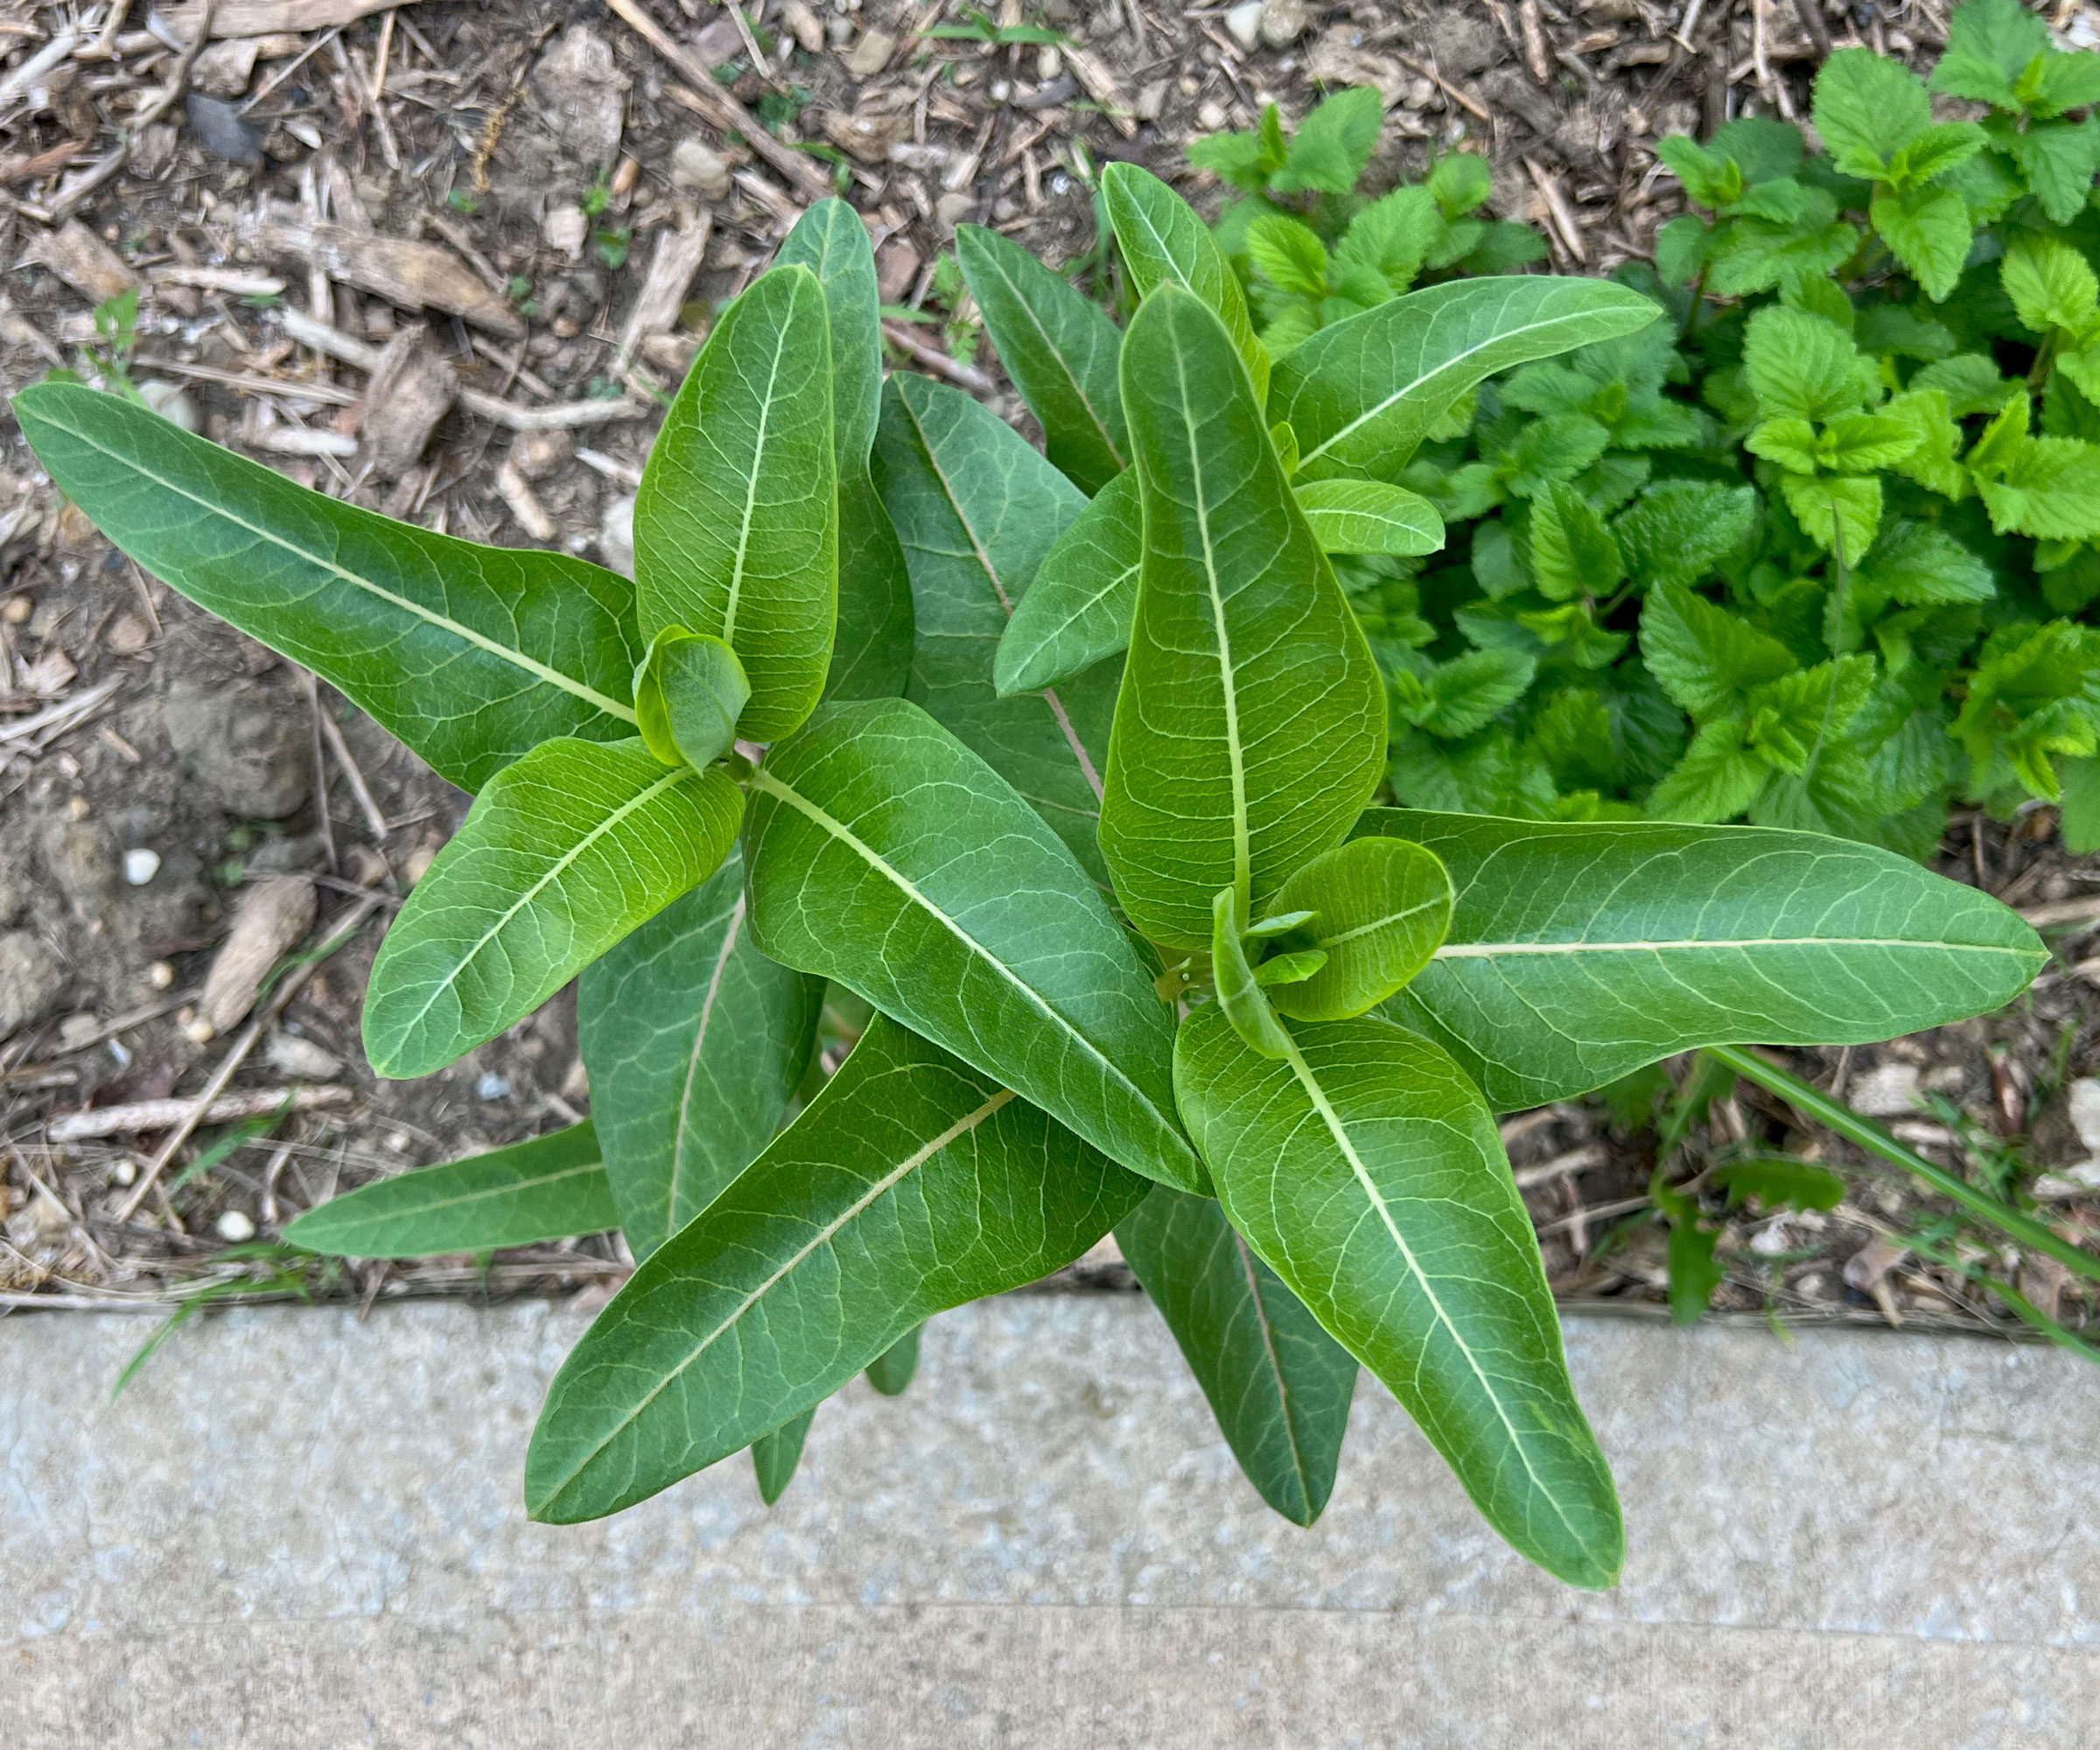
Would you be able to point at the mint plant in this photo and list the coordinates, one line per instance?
(1118, 941)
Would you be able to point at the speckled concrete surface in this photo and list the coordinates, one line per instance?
(294, 1530)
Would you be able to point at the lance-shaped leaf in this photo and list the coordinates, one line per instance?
(549, 1188)
(736, 523)
(1078, 610)
(1250, 728)
(1164, 243)
(1365, 1171)
(884, 854)
(470, 654)
(1280, 1385)
(911, 1184)
(1380, 907)
(1370, 516)
(890, 1373)
(1578, 952)
(1060, 349)
(1361, 393)
(774, 1456)
(976, 509)
(563, 853)
(694, 1041)
(873, 649)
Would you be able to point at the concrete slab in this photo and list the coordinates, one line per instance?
(294, 1529)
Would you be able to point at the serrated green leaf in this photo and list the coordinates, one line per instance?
(1577, 953)
(1392, 237)
(892, 1372)
(549, 1188)
(563, 852)
(1708, 179)
(775, 1457)
(1929, 231)
(1835, 508)
(1250, 728)
(1681, 249)
(1370, 516)
(886, 855)
(1333, 144)
(1362, 393)
(688, 693)
(1287, 255)
(1058, 348)
(1990, 43)
(736, 521)
(2063, 81)
(1800, 367)
(1677, 531)
(1791, 443)
(1767, 148)
(911, 1184)
(1971, 381)
(1718, 776)
(2050, 283)
(1941, 148)
(1752, 254)
(1467, 693)
(470, 654)
(1379, 908)
(1918, 565)
(1078, 610)
(1572, 552)
(1858, 443)
(2049, 487)
(1932, 460)
(1868, 109)
(1793, 718)
(694, 1040)
(1460, 182)
(1279, 1385)
(1366, 1171)
(2059, 159)
(1164, 243)
(977, 509)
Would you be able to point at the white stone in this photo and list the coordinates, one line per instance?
(616, 536)
(235, 1227)
(1283, 22)
(170, 401)
(697, 165)
(565, 229)
(300, 1058)
(1888, 1090)
(1245, 23)
(2085, 1111)
(141, 865)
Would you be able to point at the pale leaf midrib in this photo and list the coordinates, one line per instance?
(751, 488)
(823, 1237)
(1377, 924)
(417, 1210)
(1071, 376)
(1275, 1365)
(692, 1063)
(518, 659)
(1495, 951)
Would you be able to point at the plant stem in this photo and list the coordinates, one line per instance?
(1833, 1114)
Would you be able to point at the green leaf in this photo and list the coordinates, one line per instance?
(1919, 566)
(1362, 393)
(1990, 43)
(2058, 159)
(2063, 81)
(1365, 1171)
(1718, 778)
(1942, 148)
(2050, 283)
(1929, 231)
(873, 645)
(1468, 692)
(2049, 488)
(1572, 553)
(886, 855)
(470, 654)
(1287, 255)
(1279, 1385)
(1835, 507)
(1931, 461)
(1867, 109)
(1969, 380)
(563, 852)
(1460, 182)
(1059, 348)
(976, 510)
(1694, 1272)
(1708, 179)
(1791, 443)
(775, 1456)
(549, 1188)
(694, 1040)
(1778, 1182)
(890, 1373)
(736, 523)
(1246, 161)
(1333, 144)
(1370, 516)
(1078, 610)
(911, 1184)
(1577, 953)
(1392, 237)
(1677, 531)
(688, 694)
(1681, 248)
(1800, 367)
(1858, 443)
(1380, 907)
(1164, 243)
(1240, 996)
(1250, 728)
(1752, 254)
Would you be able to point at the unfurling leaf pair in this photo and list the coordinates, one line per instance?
(1164, 779)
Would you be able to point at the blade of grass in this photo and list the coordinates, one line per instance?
(234, 1136)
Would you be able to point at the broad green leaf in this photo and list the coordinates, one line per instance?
(2049, 487)
(688, 694)
(1677, 531)
(1720, 776)
(1058, 348)
(1333, 144)
(1868, 109)
(886, 855)
(1380, 907)
(1287, 253)
(1370, 516)
(1240, 996)
(1990, 43)
(1366, 1171)
(549, 1188)
(563, 852)
(1919, 566)
(736, 523)
(1931, 461)
(911, 1184)
(1078, 610)
(1791, 443)
(694, 1041)
(1835, 508)
(1579, 953)
(2058, 159)
(890, 1373)
(1362, 393)
(775, 1457)
(1164, 243)
(1572, 553)
(1800, 367)
(1280, 1385)
(470, 654)
(874, 646)
(1706, 658)
(1250, 728)
(1929, 231)
(976, 510)
(1465, 694)
(1778, 1182)
(2050, 283)
(1858, 443)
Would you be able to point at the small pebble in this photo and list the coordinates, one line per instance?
(124, 1170)
(161, 976)
(141, 866)
(172, 402)
(565, 229)
(18, 609)
(78, 806)
(236, 1226)
(492, 1087)
(1244, 22)
(77, 1030)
